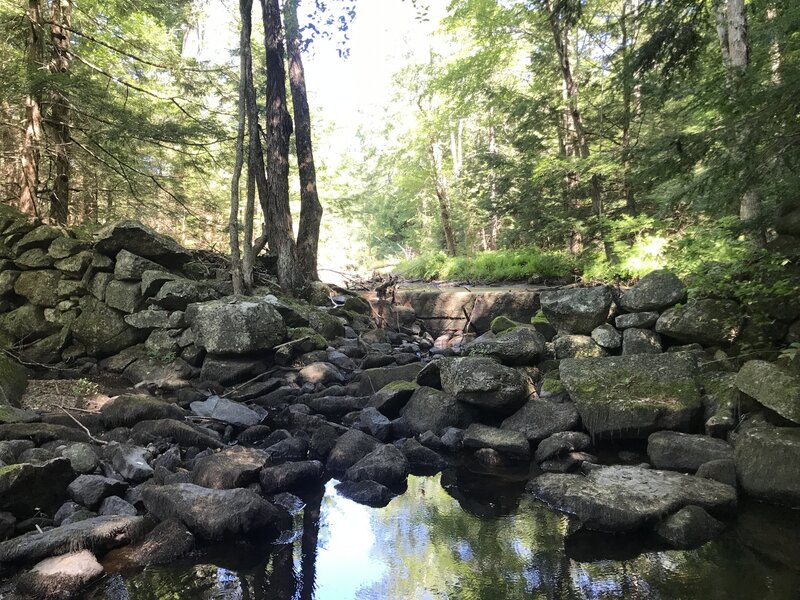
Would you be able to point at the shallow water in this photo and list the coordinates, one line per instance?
(464, 536)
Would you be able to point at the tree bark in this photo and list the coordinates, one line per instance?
(279, 128)
(245, 60)
(440, 183)
(32, 134)
(61, 22)
(310, 207)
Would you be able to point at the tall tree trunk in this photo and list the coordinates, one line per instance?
(440, 183)
(61, 21)
(731, 21)
(245, 60)
(494, 219)
(310, 207)
(30, 150)
(631, 97)
(279, 129)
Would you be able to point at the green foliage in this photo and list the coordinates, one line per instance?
(490, 267)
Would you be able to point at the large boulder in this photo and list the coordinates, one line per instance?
(146, 432)
(102, 330)
(633, 396)
(690, 527)
(518, 346)
(539, 419)
(60, 577)
(91, 490)
(130, 267)
(141, 240)
(226, 411)
(165, 543)
(771, 386)
(98, 533)
(706, 321)
(39, 287)
(767, 462)
(386, 465)
(504, 441)
(685, 452)
(485, 383)
(231, 468)
(211, 514)
(577, 310)
(26, 489)
(129, 409)
(577, 346)
(433, 410)
(351, 447)
(237, 326)
(621, 499)
(654, 292)
(291, 476)
(373, 380)
(178, 294)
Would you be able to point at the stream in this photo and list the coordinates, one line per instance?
(465, 535)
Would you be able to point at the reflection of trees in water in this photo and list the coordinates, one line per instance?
(466, 542)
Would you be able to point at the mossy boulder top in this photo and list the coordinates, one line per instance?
(633, 396)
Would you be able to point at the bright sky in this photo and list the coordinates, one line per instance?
(346, 91)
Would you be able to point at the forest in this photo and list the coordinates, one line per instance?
(536, 139)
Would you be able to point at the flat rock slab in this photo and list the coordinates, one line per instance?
(484, 383)
(685, 452)
(226, 411)
(619, 499)
(98, 533)
(211, 514)
(230, 468)
(772, 387)
(141, 240)
(504, 441)
(633, 396)
(539, 419)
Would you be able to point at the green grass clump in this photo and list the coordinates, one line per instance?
(490, 267)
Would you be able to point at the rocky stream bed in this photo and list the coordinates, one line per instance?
(621, 443)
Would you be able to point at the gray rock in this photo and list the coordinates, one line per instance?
(621, 499)
(640, 341)
(82, 457)
(124, 296)
(370, 493)
(59, 577)
(685, 452)
(229, 370)
(484, 383)
(518, 346)
(146, 432)
(607, 337)
(538, 419)
(148, 319)
(706, 321)
(722, 470)
(211, 514)
(142, 241)
(371, 421)
(152, 281)
(39, 287)
(132, 462)
(167, 542)
(391, 398)
(237, 326)
(226, 411)
(178, 294)
(434, 410)
(642, 320)
(654, 292)
(13, 380)
(320, 372)
(562, 443)
(7, 280)
(419, 457)
(335, 407)
(130, 267)
(34, 259)
(98, 533)
(577, 346)
(98, 284)
(231, 468)
(90, 490)
(10, 414)
(102, 330)
(577, 310)
(291, 476)
(64, 247)
(767, 462)
(690, 527)
(385, 465)
(40, 237)
(373, 380)
(75, 265)
(505, 441)
(349, 448)
(41, 433)
(26, 489)
(771, 386)
(114, 505)
(129, 409)
(633, 396)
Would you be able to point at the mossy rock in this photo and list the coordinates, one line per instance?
(539, 318)
(310, 339)
(129, 409)
(13, 380)
(25, 489)
(633, 396)
(503, 323)
(10, 414)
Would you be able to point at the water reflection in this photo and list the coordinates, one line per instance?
(468, 536)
